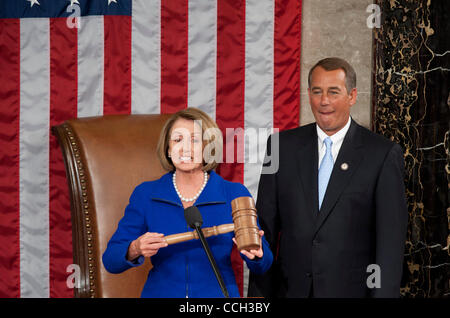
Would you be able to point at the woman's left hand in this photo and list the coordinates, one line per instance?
(252, 253)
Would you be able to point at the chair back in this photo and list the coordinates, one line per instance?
(105, 158)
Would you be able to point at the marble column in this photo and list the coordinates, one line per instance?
(337, 28)
(411, 105)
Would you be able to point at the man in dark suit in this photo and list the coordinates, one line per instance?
(335, 212)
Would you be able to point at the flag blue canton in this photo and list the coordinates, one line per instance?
(16, 9)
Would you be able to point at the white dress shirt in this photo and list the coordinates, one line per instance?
(336, 138)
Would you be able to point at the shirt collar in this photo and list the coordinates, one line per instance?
(335, 138)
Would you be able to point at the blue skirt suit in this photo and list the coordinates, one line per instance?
(183, 269)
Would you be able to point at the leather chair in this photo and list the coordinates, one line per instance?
(105, 159)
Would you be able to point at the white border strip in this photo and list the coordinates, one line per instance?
(258, 86)
(34, 156)
(146, 57)
(259, 29)
(202, 59)
(91, 42)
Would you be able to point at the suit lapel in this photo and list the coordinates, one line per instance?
(347, 162)
(307, 163)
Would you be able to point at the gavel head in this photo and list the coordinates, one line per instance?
(246, 228)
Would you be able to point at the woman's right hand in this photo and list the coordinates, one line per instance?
(146, 245)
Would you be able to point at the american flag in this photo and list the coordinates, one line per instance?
(238, 60)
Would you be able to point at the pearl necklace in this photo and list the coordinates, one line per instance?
(205, 180)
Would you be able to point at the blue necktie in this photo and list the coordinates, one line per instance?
(326, 166)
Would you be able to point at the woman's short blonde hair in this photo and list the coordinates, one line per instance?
(211, 136)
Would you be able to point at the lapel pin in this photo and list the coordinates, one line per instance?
(344, 166)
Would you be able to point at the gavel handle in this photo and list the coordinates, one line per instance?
(207, 232)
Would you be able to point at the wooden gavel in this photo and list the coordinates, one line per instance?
(244, 225)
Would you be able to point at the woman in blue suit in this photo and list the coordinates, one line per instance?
(189, 147)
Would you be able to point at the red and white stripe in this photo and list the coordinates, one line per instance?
(238, 60)
(9, 158)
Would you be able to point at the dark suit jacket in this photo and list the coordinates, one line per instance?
(362, 221)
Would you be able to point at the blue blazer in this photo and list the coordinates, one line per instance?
(183, 269)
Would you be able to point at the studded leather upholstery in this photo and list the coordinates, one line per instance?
(106, 157)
